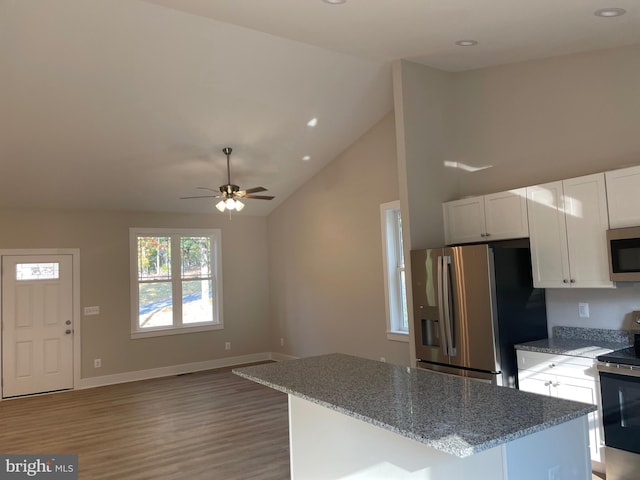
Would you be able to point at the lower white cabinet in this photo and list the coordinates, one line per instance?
(568, 377)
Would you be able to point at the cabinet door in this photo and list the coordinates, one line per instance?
(585, 206)
(534, 384)
(623, 187)
(506, 215)
(548, 236)
(585, 392)
(464, 221)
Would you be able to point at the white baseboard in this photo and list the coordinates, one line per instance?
(101, 381)
(281, 357)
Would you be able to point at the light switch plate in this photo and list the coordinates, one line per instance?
(91, 310)
(583, 310)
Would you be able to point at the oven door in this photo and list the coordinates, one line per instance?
(620, 391)
(621, 408)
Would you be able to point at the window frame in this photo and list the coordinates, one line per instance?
(393, 270)
(175, 235)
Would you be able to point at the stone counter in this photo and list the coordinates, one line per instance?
(455, 415)
(580, 342)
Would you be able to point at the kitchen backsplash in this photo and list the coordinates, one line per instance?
(608, 308)
(599, 334)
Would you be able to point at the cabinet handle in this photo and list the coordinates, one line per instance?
(487, 234)
(552, 365)
(573, 280)
(546, 384)
(557, 384)
(564, 280)
(483, 235)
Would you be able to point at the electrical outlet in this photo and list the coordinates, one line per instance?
(91, 310)
(282, 342)
(583, 310)
(97, 363)
(227, 346)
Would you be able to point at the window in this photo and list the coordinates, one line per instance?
(176, 281)
(37, 271)
(394, 277)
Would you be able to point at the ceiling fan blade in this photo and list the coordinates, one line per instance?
(260, 197)
(255, 190)
(207, 188)
(201, 196)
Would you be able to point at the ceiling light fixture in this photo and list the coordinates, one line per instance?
(230, 204)
(306, 158)
(313, 122)
(466, 43)
(335, 2)
(610, 12)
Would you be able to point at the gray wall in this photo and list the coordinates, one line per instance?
(547, 120)
(325, 256)
(103, 240)
(531, 122)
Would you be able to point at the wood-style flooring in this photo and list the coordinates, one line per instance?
(208, 425)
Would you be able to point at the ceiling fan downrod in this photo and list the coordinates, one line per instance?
(227, 151)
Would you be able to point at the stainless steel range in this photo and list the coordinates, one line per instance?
(620, 389)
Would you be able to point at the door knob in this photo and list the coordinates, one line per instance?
(67, 331)
(68, 322)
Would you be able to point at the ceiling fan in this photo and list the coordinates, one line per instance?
(231, 194)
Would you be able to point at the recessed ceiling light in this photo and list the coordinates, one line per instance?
(313, 122)
(335, 2)
(466, 43)
(306, 158)
(610, 12)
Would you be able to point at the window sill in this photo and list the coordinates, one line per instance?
(398, 336)
(160, 332)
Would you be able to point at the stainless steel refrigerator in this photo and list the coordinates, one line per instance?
(472, 304)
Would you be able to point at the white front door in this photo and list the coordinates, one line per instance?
(37, 324)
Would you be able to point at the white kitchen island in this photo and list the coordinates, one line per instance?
(351, 418)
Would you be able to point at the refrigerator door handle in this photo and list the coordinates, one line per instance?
(441, 318)
(446, 305)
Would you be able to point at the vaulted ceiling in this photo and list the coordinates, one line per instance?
(127, 104)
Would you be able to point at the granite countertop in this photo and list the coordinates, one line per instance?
(452, 414)
(579, 342)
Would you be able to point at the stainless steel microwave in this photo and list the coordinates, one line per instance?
(624, 254)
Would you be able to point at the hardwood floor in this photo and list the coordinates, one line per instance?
(208, 425)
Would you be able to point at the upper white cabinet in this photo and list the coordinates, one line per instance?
(623, 191)
(568, 221)
(497, 216)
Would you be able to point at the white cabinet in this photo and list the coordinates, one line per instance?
(497, 216)
(568, 221)
(568, 377)
(623, 193)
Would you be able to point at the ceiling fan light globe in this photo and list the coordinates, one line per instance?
(220, 205)
(239, 205)
(230, 204)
